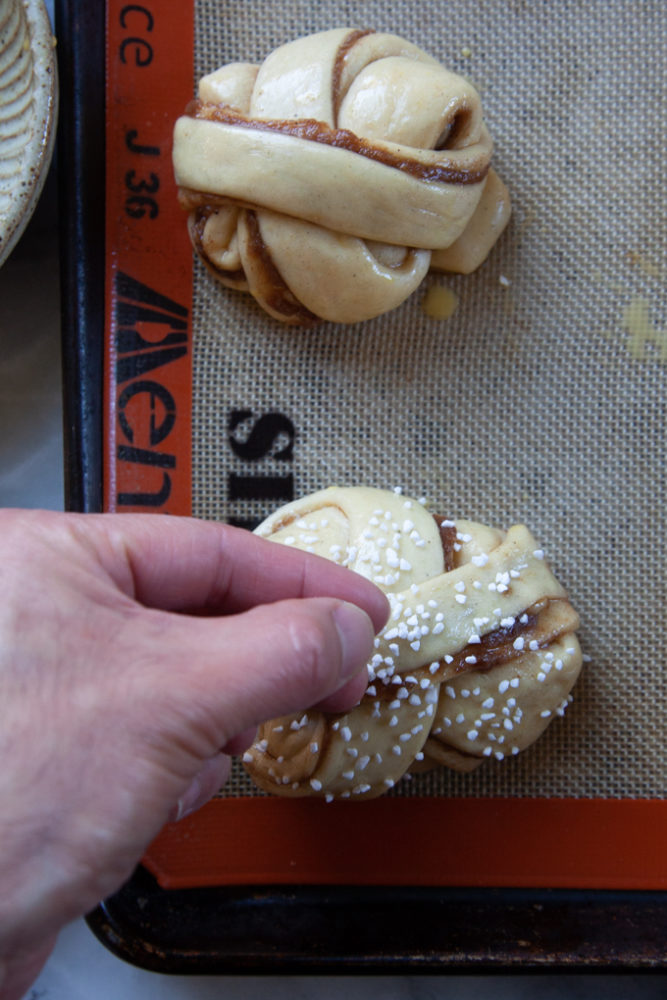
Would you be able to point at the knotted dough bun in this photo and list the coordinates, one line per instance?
(478, 656)
(329, 179)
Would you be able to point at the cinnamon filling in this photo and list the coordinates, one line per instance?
(196, 229)
(497, 647)
(447, 530)
(450, 136)
(190, 200)
(540, 623)
(339, 63)
(340, 138)
(274, 291)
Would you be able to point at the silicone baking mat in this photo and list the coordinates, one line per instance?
(540, 400)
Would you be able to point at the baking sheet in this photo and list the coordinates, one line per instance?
(584, 306)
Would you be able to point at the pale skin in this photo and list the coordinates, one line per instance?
(137, 652)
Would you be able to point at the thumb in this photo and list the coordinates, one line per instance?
(235, 672)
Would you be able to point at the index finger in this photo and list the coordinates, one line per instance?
(184, 564)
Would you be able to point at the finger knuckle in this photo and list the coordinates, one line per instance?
(312, 644)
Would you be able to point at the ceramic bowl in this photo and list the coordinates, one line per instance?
(28, 109)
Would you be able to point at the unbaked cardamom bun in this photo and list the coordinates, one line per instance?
(478, 656)
(329, 179)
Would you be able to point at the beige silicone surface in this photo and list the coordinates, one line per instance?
(540, 400)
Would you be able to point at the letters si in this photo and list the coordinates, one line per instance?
(271, 435)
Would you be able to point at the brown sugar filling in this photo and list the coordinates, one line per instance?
(200, 217)
(341, 138)
(273, 288)
(538, 623)
(497, 646)
(274, 291)
(447, 530)
(339, 63)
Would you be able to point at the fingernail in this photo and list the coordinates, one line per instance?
(211, 777)
(356, 638)
(189, 802)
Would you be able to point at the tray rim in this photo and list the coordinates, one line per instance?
(633, 917)
(81, 179)
(465, 930)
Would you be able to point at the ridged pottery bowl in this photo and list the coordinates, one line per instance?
(28, 108)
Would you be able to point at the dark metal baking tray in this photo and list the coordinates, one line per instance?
(308, 929)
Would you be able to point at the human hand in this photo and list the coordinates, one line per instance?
(136, 653)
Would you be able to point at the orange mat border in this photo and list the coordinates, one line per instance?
(554, 843)
(148, 267)
(147, 467)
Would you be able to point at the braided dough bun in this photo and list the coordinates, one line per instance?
(327, 180)
(478, 656)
